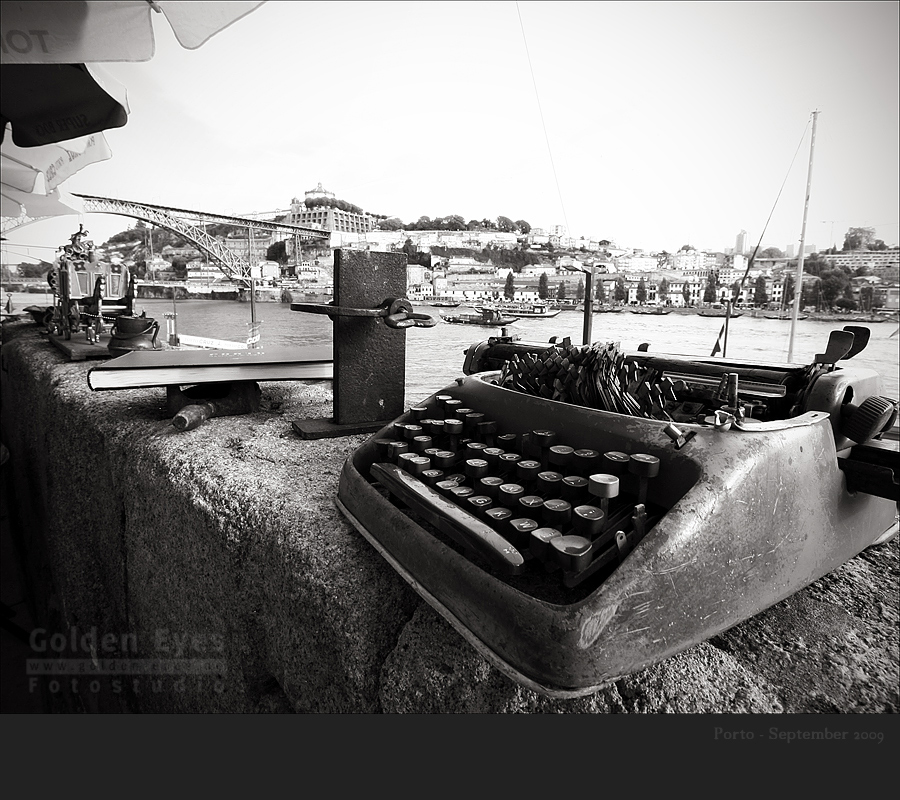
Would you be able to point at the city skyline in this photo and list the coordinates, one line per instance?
(616, 120)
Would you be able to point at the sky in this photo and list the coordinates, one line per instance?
(654, 125)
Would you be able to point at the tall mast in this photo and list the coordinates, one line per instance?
(798, 281)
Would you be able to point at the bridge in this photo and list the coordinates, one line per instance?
(189, 225)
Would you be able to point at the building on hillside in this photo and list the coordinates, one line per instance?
(252, 249)
(635, 262)
(741, 243)
(327, 217)
(871, 259)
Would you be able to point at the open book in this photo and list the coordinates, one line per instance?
(143, 368)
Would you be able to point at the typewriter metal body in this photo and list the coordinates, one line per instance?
(624, 538)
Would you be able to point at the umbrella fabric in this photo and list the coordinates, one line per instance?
(32, 176)
(49, 103)
(34, 206)
(67, 32)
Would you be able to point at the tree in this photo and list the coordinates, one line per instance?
(858, 239)
(38, 270)
(179, 268)
(641, 291)
(662, 260)
(543, 286)
(662, 291)
(277, 252)
(600, 293)
(561, 291)
(832, 283)
(760, 298)
(579, 291)
(686, 247)
(523, 226)
(686, 293)
(505, 225)
(771, 252)
(621, 291)
(709, 293)
(509, 291)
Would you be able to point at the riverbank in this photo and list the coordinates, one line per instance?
(227, 538)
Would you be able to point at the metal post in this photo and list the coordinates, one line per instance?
(798, 283)
(589, 303)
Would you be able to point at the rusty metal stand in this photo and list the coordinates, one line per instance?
(369, 355)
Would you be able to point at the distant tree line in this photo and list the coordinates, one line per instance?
(330, 202)
(454, 222)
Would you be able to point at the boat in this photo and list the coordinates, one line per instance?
(443, 303)
(650, 310)
(524, 310)
(719, 312)
(579, 513)
(783, 315)
(481, 316)
(608, 309)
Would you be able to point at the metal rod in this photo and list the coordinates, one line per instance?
(727, 318)
(798, 283)
(589, 302)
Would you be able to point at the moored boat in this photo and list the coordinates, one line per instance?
(655, 311)
(524, 310)
(719, 312)
(481, 316)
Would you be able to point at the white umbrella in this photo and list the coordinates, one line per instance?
(32, 176)
(66, 32)
(52, 89)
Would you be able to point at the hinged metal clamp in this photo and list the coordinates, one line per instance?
(397, 312)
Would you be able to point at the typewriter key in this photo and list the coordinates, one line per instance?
(560, 456)
(604, 488)
(539, 542)
(557, 513)
(614, 462)
(645, 467)
(572, 553)
(509, 494)
(520, 530)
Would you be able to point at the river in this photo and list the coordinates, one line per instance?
(434, 356)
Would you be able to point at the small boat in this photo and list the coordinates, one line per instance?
(784, 315)
(481, 316)
(655, 311)
(608, 309)
(443, 303)
(719, 312)
(524, 310)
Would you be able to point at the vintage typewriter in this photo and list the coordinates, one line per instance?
(578, 513)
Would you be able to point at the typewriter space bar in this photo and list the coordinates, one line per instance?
(449, 518)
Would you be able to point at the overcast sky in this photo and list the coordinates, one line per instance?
(651, 124)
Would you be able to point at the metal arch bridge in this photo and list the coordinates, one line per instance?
(187, 224)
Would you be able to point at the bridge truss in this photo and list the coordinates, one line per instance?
(189, 225)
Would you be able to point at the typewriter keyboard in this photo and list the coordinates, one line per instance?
(521, 503)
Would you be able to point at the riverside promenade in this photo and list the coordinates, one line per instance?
(210, 571)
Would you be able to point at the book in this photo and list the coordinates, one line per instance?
(146, 368)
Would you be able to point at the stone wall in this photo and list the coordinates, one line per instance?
(221, 549)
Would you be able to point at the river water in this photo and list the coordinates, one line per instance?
(434, 356)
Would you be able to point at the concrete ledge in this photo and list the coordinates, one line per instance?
(221, 548)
